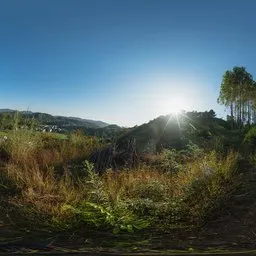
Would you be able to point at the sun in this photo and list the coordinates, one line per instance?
(173, 106)
(176, 110)
(173, 103)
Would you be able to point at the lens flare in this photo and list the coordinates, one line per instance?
(174, 106)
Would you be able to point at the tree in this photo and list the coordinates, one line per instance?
(211, 113)
(237, 93)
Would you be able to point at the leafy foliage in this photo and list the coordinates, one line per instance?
(238, 93)
(100, 211)
(250, 136)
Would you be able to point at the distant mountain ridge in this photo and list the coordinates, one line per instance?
(6, 110)
(47, 119)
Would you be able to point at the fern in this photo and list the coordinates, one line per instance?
(100, 211)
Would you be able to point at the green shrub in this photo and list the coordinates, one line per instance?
(250, 136)
(99, 211)
(170, 160)
(193, 149)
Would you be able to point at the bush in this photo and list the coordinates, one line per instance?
(99, 211)
(170, 160)
(190, 195)
(250, 136)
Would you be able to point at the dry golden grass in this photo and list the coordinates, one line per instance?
(201, 185)
(197, 188)
(25, 147)
(31, 168)
(127, 183)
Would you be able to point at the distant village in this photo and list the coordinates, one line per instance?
(49, 128)
(44, 128)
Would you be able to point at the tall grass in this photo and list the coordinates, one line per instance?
(124, 200)
(34, 167)
(26, 146)
(189, 197)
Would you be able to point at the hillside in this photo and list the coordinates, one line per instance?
(173, 131)
(179, 132)
(110, 132)
(47, 119)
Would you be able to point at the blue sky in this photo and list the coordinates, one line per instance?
(124, 61)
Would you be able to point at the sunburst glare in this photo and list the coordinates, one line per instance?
(174, 106)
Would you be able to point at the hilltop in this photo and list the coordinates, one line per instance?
(175, 131)
(185, 131)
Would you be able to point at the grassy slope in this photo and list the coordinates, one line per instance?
(234, 227)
